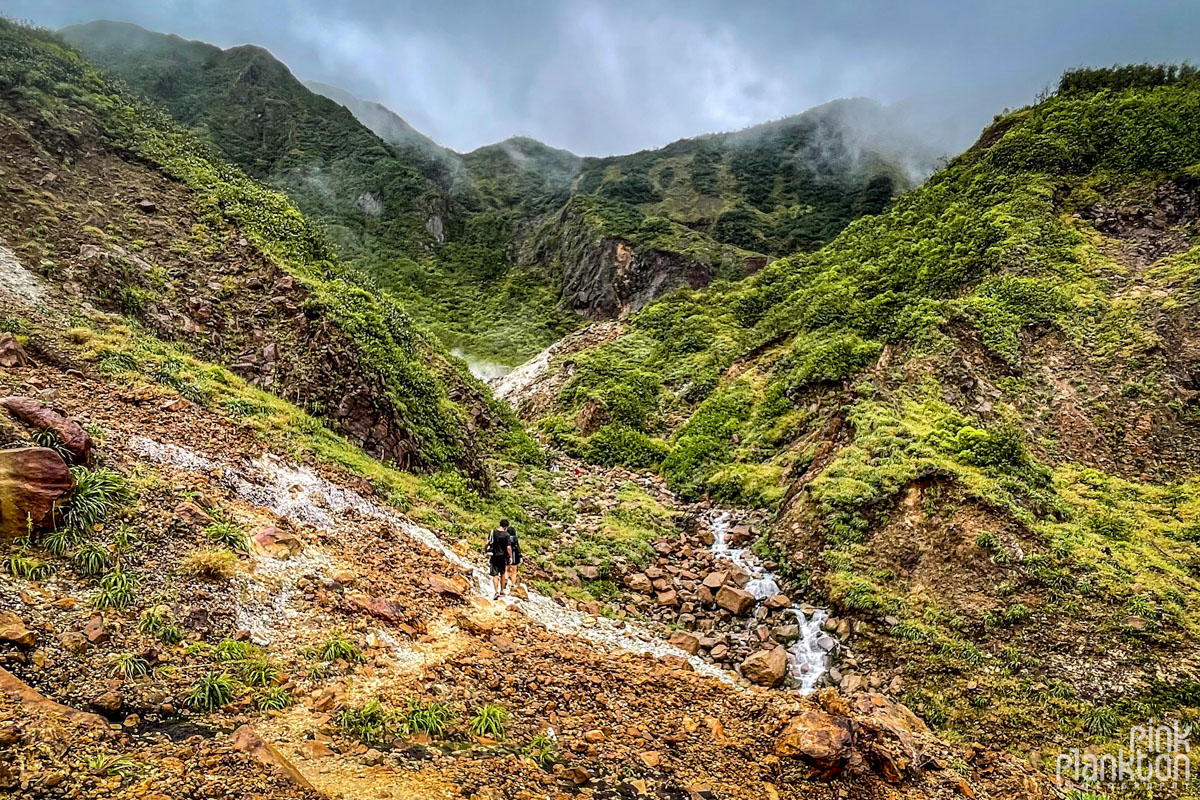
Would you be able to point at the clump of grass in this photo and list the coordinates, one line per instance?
(338, 648)
(229, 534)
(372, 723)
(258, 672)
(433, 719)
(31, 569)
(157, 622)
(211, 692)
(489, 720)
(209, 563)
(542, 750)
(97, 494)
(273, 698)
(61, 541)
(116, 590)
(232, 650)
(114, 766)
(92, 560)
(1101, 721)
(127, 665)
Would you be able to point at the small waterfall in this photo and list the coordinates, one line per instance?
(808, 656)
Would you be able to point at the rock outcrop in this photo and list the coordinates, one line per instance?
(31, 480)
(74, 439)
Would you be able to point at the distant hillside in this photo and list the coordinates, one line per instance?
(436, 161)
(489, 249)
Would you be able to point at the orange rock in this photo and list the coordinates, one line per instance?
(245, 740)
(31, 480)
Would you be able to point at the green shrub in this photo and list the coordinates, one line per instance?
(542, 749)
(273, 698)
(338, 648)
(433, 719)
(229, 534)
(127, 665)
(92, 560)
(620, 444)
(116, 589)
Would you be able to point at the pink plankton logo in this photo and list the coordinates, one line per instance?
(1157, 755)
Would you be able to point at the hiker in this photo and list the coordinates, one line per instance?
(515, 561)
(499, 548)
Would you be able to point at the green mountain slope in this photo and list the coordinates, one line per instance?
(390, 211)
(252, 284)
(976, 414)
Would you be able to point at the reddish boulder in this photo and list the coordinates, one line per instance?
(822, 740)
(31, 480)
(11, 352)
(715, 580)
(685, 642)
(766, 667)
(275, 543)
(75, 439)
(736, 601)
(639, 583)
(12, 629)
(452, 587)
(668, 598)
(378, 607)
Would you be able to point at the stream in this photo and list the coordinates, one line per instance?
(808, 656)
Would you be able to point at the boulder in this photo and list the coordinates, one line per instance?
(777, 601)
(669, 598)
(108, 701)
(245, 740)
(31, 480)
(11, 352)
(766, 667)
(736, 601)
(715, 580)
(639, 583)
(786, 633)
(272, 542)
(74, 438)
(685, 642)
(13, 630)
(456, 586)
(820, 739)
(96, 631)
(378, 607)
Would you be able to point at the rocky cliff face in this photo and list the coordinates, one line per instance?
(605, 276)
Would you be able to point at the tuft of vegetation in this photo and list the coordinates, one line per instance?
(117, 590)
(92, 560)
(542, 749)
(371, 723)
(127, 665)
(210, 564)
(433, 719)
(96, 495)
(157, 621)
(114, 765)
(228, 534)
(273, 698)
(338, 648)
(489, 721)
(211, 692)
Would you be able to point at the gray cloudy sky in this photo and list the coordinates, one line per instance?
(602, 77)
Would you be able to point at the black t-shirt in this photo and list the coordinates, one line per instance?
(499, 542)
